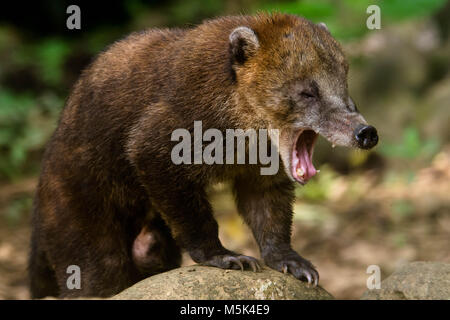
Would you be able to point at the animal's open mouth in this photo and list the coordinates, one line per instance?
(301, 162)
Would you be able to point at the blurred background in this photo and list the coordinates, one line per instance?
(383, 207)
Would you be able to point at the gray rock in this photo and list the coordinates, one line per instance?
(416, 280)
(208, 283)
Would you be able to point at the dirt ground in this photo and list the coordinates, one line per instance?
(368, 218)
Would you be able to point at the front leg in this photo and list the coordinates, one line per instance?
(188, 213)
(266, 206)
(177, 193)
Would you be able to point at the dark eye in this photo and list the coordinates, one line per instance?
(307, 95)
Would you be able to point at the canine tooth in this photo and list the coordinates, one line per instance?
(333, 145)
(317, 171)
(300, 172)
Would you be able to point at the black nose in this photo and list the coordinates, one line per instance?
(366, 136)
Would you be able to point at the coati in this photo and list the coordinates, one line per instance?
(110, 200)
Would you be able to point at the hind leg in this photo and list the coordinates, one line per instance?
(103, 258)
(105, 267)
(98, 244)
(41, 275)
(154, 249)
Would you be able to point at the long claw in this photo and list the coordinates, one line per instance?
(253, 263)
(316, 279)
(239, 263)
(299, 267)
(308, 276)
(235, 260)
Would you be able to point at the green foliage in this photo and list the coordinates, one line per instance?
(27, 118)
(318, 189)
(46, 57)
(312, 9)
(178, 12)
(347, 19)
(188, 11)
(411, 146)
(401, 9)
(26, 123)
(50, 56)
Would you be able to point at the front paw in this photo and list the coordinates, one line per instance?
(293, 263)
(232, 260)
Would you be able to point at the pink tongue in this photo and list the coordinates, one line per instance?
(305, 162)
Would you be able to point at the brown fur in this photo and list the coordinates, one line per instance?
(108, 188)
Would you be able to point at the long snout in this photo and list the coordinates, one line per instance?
(366, 136)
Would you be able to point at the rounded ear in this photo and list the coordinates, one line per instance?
(243, 44)
(323, 25)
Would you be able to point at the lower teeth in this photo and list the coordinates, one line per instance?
(300, 172)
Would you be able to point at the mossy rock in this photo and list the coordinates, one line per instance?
(414, 281)
(208, 283)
